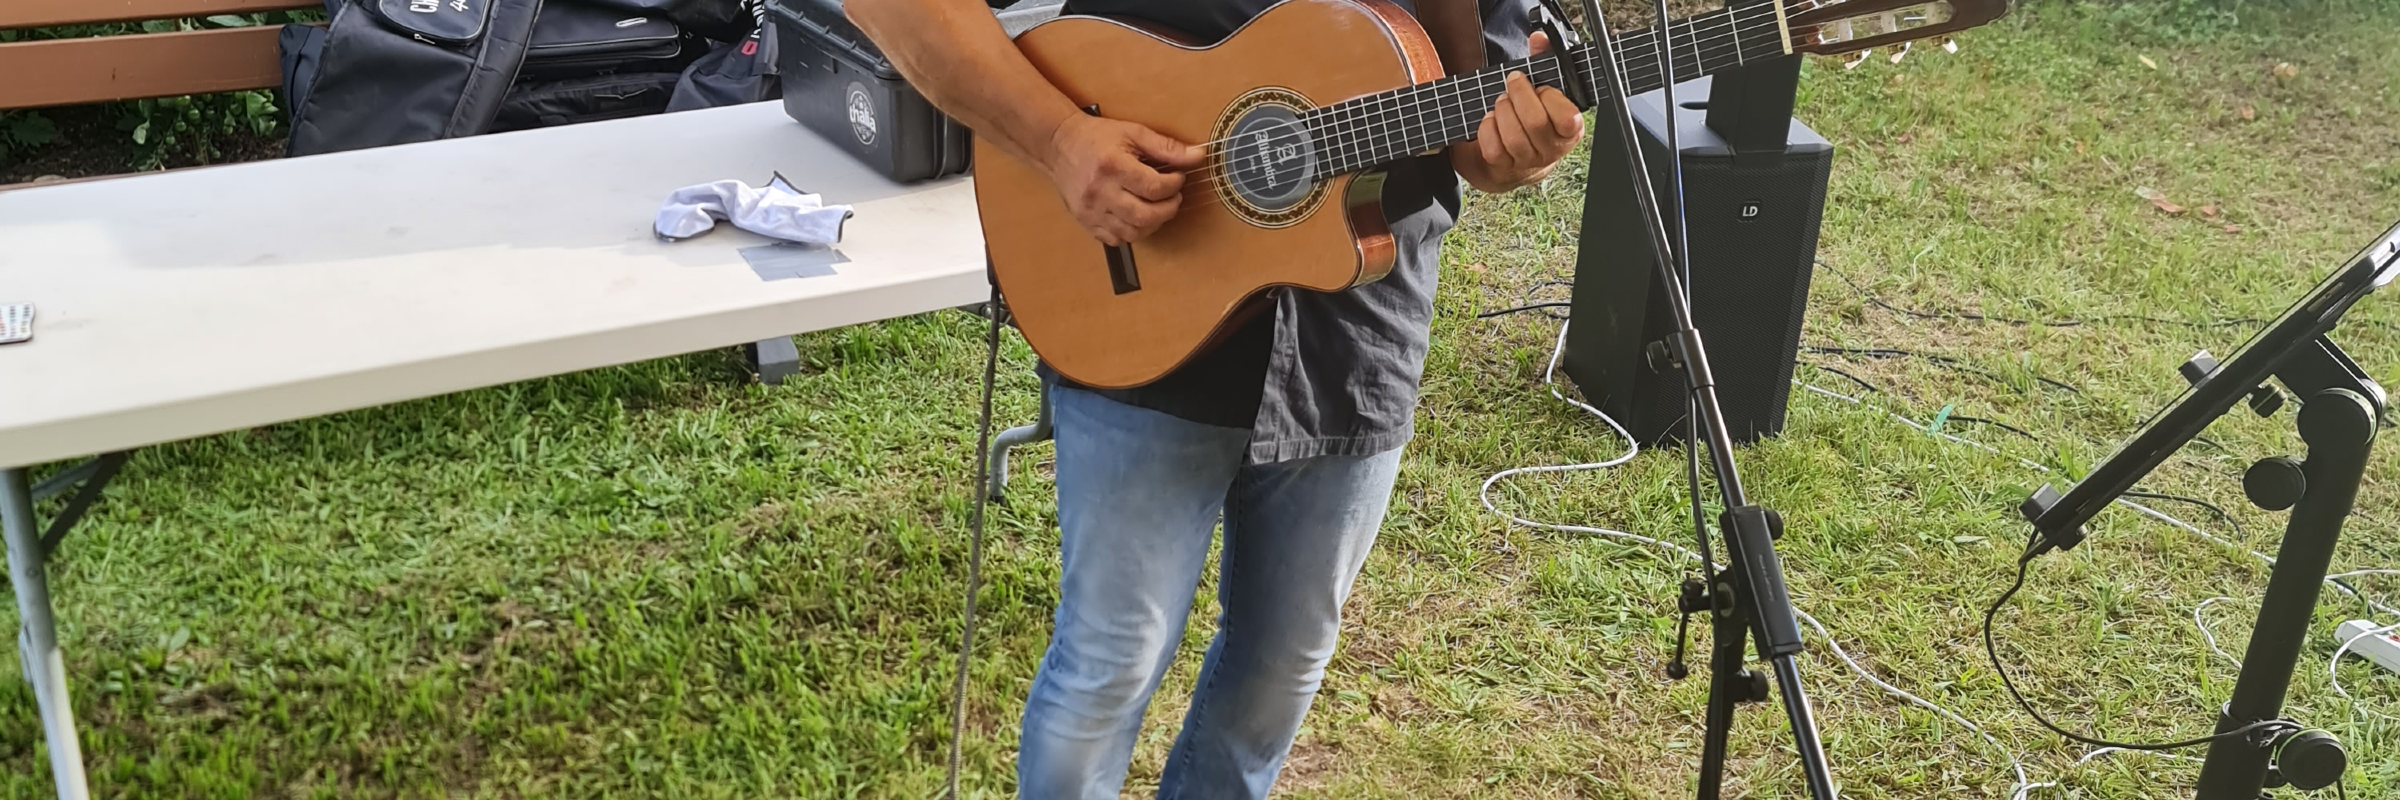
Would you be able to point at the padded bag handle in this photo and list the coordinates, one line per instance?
(452, 22)
(721, 20)
(574, 39)
(420, 76)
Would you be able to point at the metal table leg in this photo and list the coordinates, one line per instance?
(773, 360)
(1022, 434)
(37, 638)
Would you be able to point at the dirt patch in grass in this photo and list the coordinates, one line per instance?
(90, 144)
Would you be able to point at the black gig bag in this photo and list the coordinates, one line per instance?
(400, 71)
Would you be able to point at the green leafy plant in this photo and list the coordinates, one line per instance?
(195, 128)
(24, 130)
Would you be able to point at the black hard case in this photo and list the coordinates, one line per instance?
(839, 84)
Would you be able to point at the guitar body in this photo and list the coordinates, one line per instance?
(1126, 318)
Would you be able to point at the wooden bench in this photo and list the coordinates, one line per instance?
(57, 72)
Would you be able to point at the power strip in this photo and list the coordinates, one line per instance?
(2382, 648)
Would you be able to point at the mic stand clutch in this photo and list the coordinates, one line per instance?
(1745, 600)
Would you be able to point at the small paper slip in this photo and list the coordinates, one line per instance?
(16, 322)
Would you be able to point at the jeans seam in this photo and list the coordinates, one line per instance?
(1208, 682)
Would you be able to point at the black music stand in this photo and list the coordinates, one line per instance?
(2340, 409)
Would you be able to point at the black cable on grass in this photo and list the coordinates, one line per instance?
(1862, 383)
(1962, 366)
(1524, 308)
(1532, 306)
(2070, 322)
(2242, 535)
(1991, 648)
(1994, 423)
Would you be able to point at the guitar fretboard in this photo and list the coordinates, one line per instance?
(1381, 128)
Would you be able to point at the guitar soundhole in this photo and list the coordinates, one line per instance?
(1269, 159)
(1266, 159)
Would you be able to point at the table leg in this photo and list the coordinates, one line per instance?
(37, 638)
(1009, 439)
(773, 360)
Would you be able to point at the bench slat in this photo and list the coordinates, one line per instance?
(69, 71)
(46, 13)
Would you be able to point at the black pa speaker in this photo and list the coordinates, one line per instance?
(1753, 222)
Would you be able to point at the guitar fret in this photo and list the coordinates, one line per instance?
(1336, 150)
(1380, 128)
(1347, 148)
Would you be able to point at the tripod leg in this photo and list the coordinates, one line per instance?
(1728, 687)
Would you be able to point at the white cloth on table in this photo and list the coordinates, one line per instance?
(776, 210)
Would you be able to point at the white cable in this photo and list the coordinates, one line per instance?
(2209, 635)
(2023, 785)
(2333, 580)
(1632, 448)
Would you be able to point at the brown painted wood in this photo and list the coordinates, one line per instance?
(47, 13)
(1198, 270)
(67, 71)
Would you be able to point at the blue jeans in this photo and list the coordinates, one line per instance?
(1139, 494)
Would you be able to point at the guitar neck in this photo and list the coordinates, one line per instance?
(1381, 128)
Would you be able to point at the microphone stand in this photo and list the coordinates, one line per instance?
(1747, 598)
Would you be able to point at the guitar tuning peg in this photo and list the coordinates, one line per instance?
(1949, 45)
(1858, 59)
(1901, 51)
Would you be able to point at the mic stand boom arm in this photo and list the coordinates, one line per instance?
(1746, 598)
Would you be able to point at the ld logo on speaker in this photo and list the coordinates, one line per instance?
(1749, 211)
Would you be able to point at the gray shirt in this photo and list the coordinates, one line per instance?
(1322, 373)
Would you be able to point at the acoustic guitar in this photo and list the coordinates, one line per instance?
(1298, 109)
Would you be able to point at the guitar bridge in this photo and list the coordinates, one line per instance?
(1120, 269)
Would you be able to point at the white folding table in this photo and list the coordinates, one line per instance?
(184, 304)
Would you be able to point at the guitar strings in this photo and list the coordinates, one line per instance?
(1702, 47)
(1472, 97)
(1707, 47)
(1354, 132)
(1472, 100)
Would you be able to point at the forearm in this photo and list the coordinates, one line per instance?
(955, 52)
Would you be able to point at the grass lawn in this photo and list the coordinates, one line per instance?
(658, 580)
